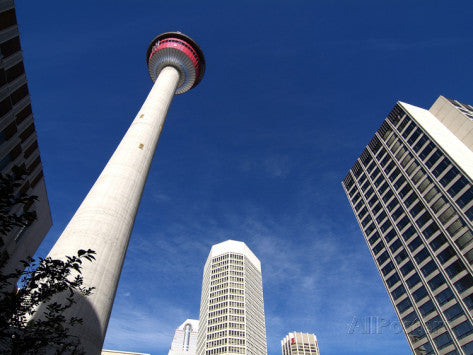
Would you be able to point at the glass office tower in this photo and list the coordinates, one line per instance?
(411, 192)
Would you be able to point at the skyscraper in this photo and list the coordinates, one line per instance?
(297, 343)
(231, 317)
(18, 141)
(104, 220)
(184, 341)
(411, 192)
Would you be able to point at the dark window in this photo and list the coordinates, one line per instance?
(383, 188)
(374, 238)
(418, 208)
(449, 176)
(34, 164)
(36, 179)
(414, 136)
(454, 269)
(410, 319)
(423, 219)
(7, 19)
(441, 167)
(392, 280)
(420, 143)
(19, 93)
(464, 240)
(387, 196)
(410, 200)
(382, 258)
(417, 334)
(378, 247)
(469, 301)
(455, 226)
(426, 151)
(388, 268)
(20, 117)
(446, 254)
(430, 230)
(403, 123)
(438, 242)
(362, 213)
(9, 131)
(421, 256)
(468, 348)
(408, 233)
(395, 246)
(413, 280)
(442, 341)
(429, 268)
(408, 129)
(399, 182)
(390, 236)
(369, 229)
(381, 217)
(436, 282)
(394, 174)
(453, 312)
(427, 308)
(417, 242)
(445, 296)
(407, 268)
(10, 47)
(424, 349)
(386, 225)
(465, 198)
(15, 71)
(404, 305)
(433, 158)
(419, 294)
(464, 283)
(402, 223)
(405, 191)
(398, 292)
(434, 324)
(469, 213)
(458, 186)
(5, 106)
(31, 149)
(463, 329)
(392, 205)
(402, 255)
(397, 214)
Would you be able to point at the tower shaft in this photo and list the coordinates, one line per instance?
(105, 218)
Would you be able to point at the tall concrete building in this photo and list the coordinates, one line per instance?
(18, 140)
(231, 317)
(104, 220)
(297, 343)
(411, 192)
(184, 341)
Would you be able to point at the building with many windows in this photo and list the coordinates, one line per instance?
(412, 193)
(297, 343)
(231, 317)
(184, 341)
(18, 141)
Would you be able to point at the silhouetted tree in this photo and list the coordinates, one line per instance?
(40, 281)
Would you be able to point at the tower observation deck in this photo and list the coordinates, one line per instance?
(105, 219)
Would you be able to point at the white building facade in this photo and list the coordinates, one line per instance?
(232, 309)
(297, 343)
(184, 341)
(412, 193)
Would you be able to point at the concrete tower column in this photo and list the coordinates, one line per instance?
(105, 218)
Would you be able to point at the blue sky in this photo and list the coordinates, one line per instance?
(293, 92)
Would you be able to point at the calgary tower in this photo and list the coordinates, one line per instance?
(105, 218)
